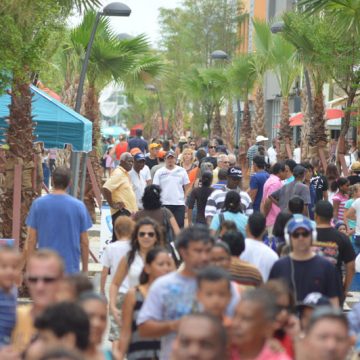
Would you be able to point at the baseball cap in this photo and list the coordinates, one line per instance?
(298, 170)
(298, 222)
(139, 156)
(314, 300)
(261, 138)
(355, 166)
(235, 172)
(161, 154)
(135, 151)
(170, 153)
(154, 146)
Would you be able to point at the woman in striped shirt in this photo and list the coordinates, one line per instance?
(158, 262)
(340, 198)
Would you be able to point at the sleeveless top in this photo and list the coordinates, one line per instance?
(135, 270)
(141, 348)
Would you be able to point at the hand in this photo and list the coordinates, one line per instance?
(9, 353)
(119, 205)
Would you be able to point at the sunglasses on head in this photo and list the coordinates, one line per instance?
(296, 235)
(143, 233)
(44, 279)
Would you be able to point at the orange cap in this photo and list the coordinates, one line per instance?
(135, 151)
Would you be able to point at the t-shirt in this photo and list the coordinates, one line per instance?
(272, 154)
(334, 246)
(356, 206)
(288, 191)
(244, 273)
(272, 184)
(151, 162)
(351, 223)
(320, 184)
(156, 168)
(257, 181)
(59, 220)
(7, 315)
(314, 275)
(267, 353)
(216, 201)
(139, 181)
(238, 218)
(210, 159)
(171, 183)
(341, 199)
(171, 297)
(259, 255)
(156, 214)
(199, 196)
(120, 148)
(138, 143)
(111, 257)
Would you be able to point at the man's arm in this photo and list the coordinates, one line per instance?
(349, 274)
(84, 246)
(108, 197)
(252, 193)
(30, 245)
(266, 206)
(155, 329)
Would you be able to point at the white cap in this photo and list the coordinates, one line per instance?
(260, 138)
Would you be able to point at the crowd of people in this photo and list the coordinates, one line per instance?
(204, 263)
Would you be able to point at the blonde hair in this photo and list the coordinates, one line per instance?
(353, 189)
(124, 227)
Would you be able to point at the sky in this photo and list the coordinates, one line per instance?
(143, 17)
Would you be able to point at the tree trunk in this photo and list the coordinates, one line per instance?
(69, 91)
(92, 112)
(285, 132)
(229, 127)
(178, 121)
(217, 131)
(20, 140)
(245, 135)
(305, 131)
(258, 126)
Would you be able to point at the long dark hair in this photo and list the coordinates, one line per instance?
(135, 246)
(232, 202)
(150, 257)
(151, 198)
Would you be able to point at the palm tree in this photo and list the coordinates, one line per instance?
(208, 87)
(262, 61)
(242, 78)
(287, 69)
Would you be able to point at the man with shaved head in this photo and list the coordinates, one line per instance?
(118, 190)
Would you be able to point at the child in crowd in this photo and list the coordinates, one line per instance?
(72, 286)
(340, 198)
(110, 260)
(158, 262)
(9, 276)
(109, 162)
(226, 226)
(341, 226)
(214, 292)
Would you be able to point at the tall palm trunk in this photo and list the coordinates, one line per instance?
(305, 131)
(229, 126)
(245, 134)
(216, 130)
(92, 112)
(178, 121)
(258, 126)
(317, 136)
(20, 139)
(285, 132)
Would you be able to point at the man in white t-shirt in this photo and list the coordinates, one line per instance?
(173, 181)
(256, 252)
(140, 177)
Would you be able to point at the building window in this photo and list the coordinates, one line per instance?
(276, 108)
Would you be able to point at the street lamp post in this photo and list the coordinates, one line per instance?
(112, 9)
(222, 55)
(153, 88)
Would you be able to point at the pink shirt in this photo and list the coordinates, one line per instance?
(272, 184)
(265, 354)
(342, 199)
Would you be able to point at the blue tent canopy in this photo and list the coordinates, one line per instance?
(57, 124)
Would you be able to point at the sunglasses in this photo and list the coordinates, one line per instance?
(212, 147)
(149, 234)
(296, 235)
(44, 279)
(192, 144)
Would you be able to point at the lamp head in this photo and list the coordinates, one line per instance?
(116, 9)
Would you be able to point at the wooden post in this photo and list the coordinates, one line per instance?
(16, 223)
(94, 183)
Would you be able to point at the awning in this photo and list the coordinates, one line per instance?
(57, 124)
(296, 120)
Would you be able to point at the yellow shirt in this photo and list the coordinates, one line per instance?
(119, 184)
(24, 329)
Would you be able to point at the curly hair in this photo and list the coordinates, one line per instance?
(151, 198)
(135, 246)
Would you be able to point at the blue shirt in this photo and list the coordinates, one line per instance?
(59, 220)
(257, 181)
(238, 218)
(7, 316)
(138, 143)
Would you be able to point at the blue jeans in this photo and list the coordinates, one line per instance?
(356, 243)
(178, 212)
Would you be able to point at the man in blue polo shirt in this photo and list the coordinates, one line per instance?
(257, 181)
